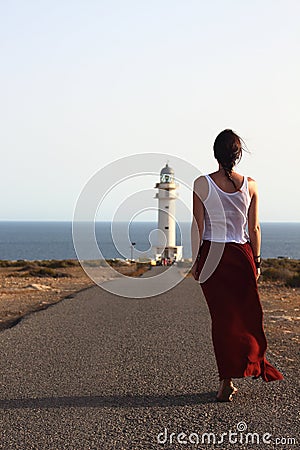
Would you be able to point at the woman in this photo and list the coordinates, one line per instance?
(225, 208)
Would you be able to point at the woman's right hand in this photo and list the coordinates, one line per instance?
(258, 272)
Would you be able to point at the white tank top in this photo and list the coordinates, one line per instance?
(226, 213)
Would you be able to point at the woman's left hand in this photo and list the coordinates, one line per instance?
(194, 270)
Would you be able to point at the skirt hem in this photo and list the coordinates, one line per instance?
(259, 369)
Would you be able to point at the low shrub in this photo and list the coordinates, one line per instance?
(52, 263)
(293, 281)
(28, 266)
(47, 272)
(59, 264)
(281, 263)
(8, 263)
(40, 272)
(276, 274)
(281, 269)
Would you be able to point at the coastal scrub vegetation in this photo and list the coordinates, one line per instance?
(49, 268)
(281, 269)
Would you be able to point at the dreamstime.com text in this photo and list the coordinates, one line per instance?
(239, 436)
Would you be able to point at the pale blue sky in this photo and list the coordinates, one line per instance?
(86, 82)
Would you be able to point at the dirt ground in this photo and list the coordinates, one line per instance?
(281, 306)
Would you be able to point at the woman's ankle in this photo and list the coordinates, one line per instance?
(226, 381)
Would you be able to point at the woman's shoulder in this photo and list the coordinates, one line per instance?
(252, 183)
(201, 186)
(252, 187)
(200, 180)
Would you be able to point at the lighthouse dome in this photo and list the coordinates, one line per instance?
(167, 174)
(167, 170)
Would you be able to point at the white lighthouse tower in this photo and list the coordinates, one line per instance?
(166, 196)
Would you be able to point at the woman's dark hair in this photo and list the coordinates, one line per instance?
(228, 151)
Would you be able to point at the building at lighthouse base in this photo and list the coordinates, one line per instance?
(171, 254)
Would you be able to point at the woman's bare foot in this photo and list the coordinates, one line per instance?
(226, 390)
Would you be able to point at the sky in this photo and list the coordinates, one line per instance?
(84, 83)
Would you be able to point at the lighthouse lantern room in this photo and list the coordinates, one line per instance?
(166, 239)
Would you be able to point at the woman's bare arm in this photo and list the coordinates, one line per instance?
(253, 219)
(198, 218)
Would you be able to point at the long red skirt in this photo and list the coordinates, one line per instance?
(237, 318)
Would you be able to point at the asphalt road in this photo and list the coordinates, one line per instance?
(99, 371)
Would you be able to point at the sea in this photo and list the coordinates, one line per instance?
(53, 240)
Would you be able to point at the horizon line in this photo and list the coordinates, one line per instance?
(125, 221)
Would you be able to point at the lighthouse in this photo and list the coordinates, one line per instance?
(166, 239)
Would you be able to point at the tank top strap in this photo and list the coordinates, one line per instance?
(244, 186)
(245, 182)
